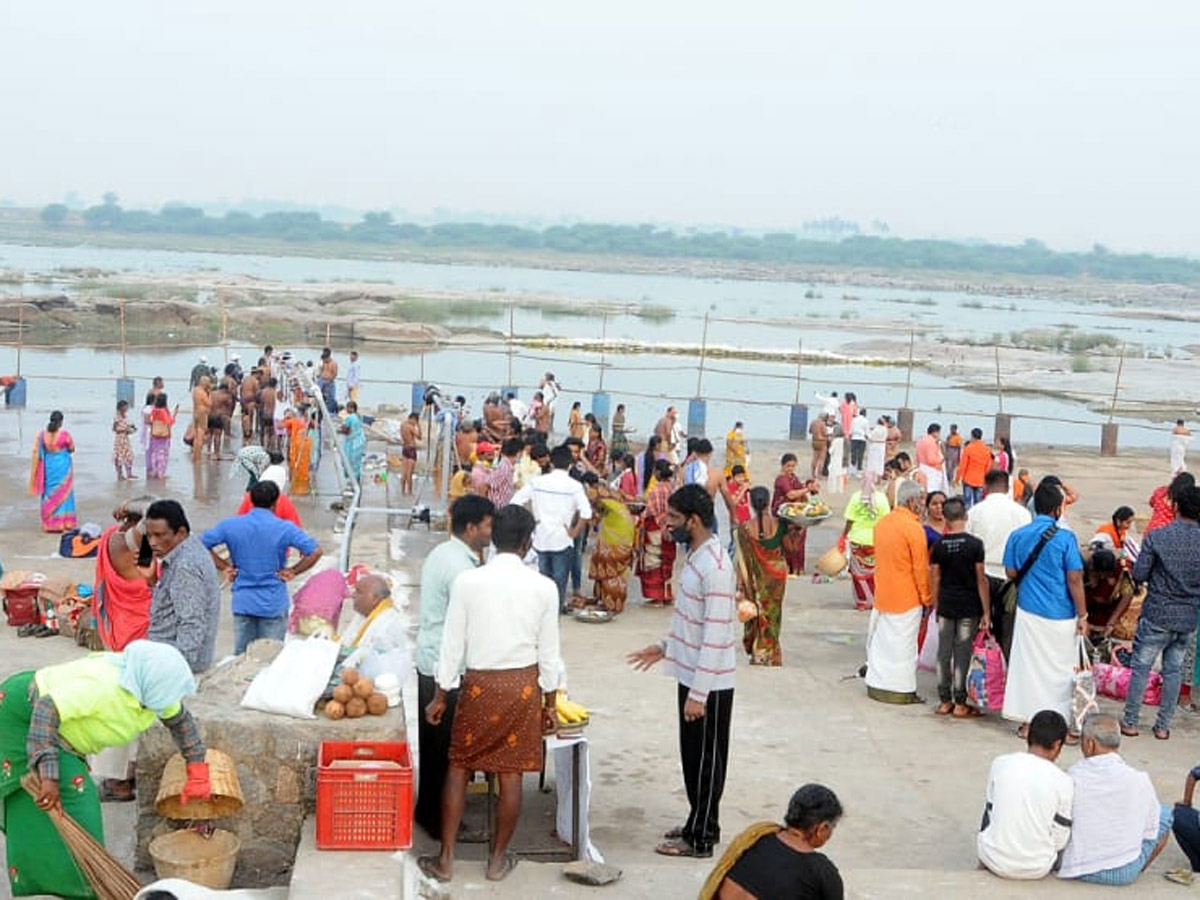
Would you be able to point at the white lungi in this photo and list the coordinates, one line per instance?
(1041, 669)
(892, 650)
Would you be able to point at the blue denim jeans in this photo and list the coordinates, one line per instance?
(1187, 833)
(556, 565)
(1148, 642)
(251, 628)
(971, 495)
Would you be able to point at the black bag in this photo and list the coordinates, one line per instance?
(1007, 595)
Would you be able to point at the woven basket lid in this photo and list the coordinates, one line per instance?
(226, 799)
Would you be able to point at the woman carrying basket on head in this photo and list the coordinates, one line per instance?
(51, 719)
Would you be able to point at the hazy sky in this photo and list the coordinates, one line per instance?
(1070, 121)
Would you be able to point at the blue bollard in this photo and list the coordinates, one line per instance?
(601, 407)
(14, 395)
(697, 414)
(125, 390)
(418, 396)
(798, 424)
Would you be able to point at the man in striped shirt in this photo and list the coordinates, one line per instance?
(700, 653)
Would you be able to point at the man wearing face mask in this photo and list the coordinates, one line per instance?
(700, 652)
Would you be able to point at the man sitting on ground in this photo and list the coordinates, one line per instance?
(1027, 820)
(1119, 827)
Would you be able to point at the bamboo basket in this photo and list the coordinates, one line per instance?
(831, 562)
(205, 860)
(226, 799)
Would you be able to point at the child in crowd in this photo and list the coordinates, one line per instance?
(122, 446)
(960, 588)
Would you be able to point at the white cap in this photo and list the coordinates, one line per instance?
(203, 358)
(235, 356)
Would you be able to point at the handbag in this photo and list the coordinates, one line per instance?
(986, 674)
(1007, 594)
(1083, 686)
(159, 429)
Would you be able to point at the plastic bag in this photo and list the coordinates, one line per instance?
(317, 606)
(1113, 681)
(986, 674)
(927, 657)
(295, 679)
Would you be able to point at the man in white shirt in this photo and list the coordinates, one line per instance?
(829, 405)
(992, 520)
(1027, 819)
(550, 391)
(516, 407)
(1119, 827)
(502, 626)
(700, 651)
(353, 377)
(859, 426)
(377, 635)
(562, 511)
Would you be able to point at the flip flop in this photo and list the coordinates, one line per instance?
(944, 709)
(1129, 732)
(508, 863)
(674, 834)
(429, 868)
(1162, 734)
(1072, 738)
(966, 712)
(682, 848)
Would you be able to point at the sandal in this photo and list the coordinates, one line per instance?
(508, 862)
(682, 848)
(1179, 876)
(944, 709)
(962, 711)
(430, 869)
(1128, 731)
(1072, 738)
(674, 834)
(1162, 734)
(1023, 732)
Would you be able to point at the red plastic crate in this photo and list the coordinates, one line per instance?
(365, 807)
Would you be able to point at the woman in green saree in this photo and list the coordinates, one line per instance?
(762, 578)
(612, 559)
(51, 719)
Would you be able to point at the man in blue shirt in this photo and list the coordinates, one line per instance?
(258, 545)
(1050, 613)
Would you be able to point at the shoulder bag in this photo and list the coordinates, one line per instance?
(1008, 591)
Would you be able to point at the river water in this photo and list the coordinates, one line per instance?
(770, 316)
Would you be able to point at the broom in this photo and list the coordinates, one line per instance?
(108, 878)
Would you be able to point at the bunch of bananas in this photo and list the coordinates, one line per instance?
(570, 713)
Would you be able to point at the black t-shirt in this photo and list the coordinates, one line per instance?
(957, 555)
(771, 870)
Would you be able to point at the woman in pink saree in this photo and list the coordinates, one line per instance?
(52, 476)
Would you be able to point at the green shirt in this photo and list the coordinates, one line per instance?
(862, 521)
(442, 566)
(94, 711)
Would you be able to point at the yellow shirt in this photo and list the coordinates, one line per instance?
(94, 711)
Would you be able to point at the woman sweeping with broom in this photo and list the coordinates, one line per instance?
(51, 719)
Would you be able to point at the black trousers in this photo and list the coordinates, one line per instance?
(434, 745)
(1002, 621)
(704, 752)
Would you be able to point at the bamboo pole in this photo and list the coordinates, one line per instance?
(509, 383)
(603, 341)
(20, 329)
(999, 383)
(912, 337)
(1112, 407)
(799, 363)
(124, 343)
(703, 354)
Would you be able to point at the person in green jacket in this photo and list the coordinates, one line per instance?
(51, 719)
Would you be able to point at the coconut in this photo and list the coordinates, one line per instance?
(364, 687)
(335, 710)
(356, 708)
(349, 676)
(377, 704)
(343, 693)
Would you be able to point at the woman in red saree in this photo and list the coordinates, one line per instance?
(53, 477)
(121, 601)
(656, 556)
(762, 578)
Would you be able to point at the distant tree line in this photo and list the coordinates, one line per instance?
(853, 249)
